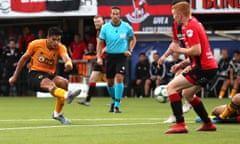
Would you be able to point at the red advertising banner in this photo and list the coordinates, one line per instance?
(44, 5)
(45, 8)
(215, 6)
(143, 15)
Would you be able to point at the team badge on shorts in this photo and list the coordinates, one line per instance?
(123, 69)
(40, 76)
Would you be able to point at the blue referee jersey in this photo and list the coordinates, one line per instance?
(116, 37)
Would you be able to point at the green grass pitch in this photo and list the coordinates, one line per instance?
(27, 120)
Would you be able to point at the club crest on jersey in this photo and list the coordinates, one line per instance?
(190, 33)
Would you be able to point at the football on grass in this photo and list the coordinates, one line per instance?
(160, 93)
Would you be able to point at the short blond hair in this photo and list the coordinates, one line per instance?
(97, 16)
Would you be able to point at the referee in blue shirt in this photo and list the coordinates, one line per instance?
(120, 41)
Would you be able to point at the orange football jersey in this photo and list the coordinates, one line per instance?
(43, 58)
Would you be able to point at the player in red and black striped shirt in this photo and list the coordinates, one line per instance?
(203, 68)
(98, 69)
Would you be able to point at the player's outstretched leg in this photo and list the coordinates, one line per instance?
(71, 95)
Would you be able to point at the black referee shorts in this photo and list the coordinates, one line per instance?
(115, 63)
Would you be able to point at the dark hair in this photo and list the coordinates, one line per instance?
(116, 7)
(12, 39)
(177, 1)
(236, 51)
(142, 54)
(54, 31)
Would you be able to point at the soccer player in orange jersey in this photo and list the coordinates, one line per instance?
(44, 55)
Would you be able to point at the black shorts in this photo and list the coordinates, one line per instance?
(115, 63)
(200, 77)
(35, 78)
(100, 68)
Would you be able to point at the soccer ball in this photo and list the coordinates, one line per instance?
(160, 93)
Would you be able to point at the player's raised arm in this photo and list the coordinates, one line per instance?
(168, 52)
(195, 50)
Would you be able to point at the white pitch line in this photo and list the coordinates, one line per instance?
(70, 126)
(84, 125)
(93, 119)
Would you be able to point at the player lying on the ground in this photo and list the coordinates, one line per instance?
(229, 113)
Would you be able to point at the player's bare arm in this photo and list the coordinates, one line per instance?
(21, 63)
(104, 50)
(67, 63)
(175, 68)
(168, 52)
(70, 51)
(99, 51)
(132, 43)
(195, 50)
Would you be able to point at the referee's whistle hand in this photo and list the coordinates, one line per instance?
(99, 61)
(127, 53)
